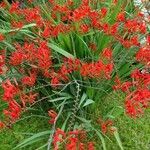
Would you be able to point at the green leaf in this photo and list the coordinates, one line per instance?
(13, 30)
(41, 147)
(65, 122)
(59, 99)
(101, 138)
(116, 112)
(32, 142)
(88, 102)
(9, 45)
(84, 96)
(29, 25)
(116, 134)
(84, 120)
(60, 50)
(33, 139)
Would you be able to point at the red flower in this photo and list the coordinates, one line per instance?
(131, 25)
(108, 70)
(131, 108)
(80, 13)
(74, 132)
(126, 43)
(55, 81)
(84, 28)
(52, 1)
(141, 14)
(85, 2)
(121, 17)
(2, 125)
(16, 58)
(9, 90)
(2, 63)
(3, 4)
(30, 98)
(33, 15)
(47, 32)
(81, 146)
(137, 101)
(53, 116)
(1, 37)
(15, 24)
(44, 56)
(58, 136)
(90, 146)
(117, 85)
(103, 12)
(134, 41)
(29, 80)
(107, 53)
(114, 29)
(143, 55)
(14, 7)
(126, 86)
(14, 111)
(30, 1)
(142, 27)
(115, 1)
(148, 39)
(105, 28)
(105, 126)
(93, 70)
(72, 144)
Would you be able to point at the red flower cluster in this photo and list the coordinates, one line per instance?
(96, 70)
(138, 93)
(14, 7)
(35, 56)
(143, 55)
(28, 98)
(137, 101)
(13, 112)
(125, 86)
(44, 56)
(14, 109)
(69, 18)
(134, 25)
(73, 140)
(10, 91)
(29, 80)
(141, 78)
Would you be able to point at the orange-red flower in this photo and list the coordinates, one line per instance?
(52, 115)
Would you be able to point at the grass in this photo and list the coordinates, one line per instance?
(10, 138)
(134, 134)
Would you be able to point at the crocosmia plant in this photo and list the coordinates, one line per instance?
(64, 58)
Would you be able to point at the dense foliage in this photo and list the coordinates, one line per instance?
(65, 57)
